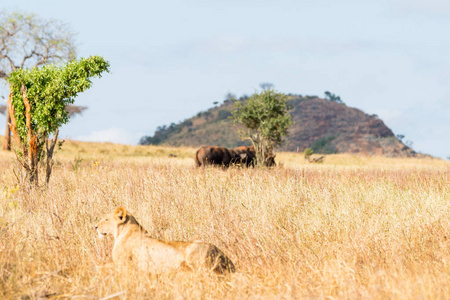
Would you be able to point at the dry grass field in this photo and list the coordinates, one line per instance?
(351, 228)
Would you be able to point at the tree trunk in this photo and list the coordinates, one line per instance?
(7, 139)
(33, 157)
(50, 155)
(28, 148)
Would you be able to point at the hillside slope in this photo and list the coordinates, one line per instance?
(325, 126)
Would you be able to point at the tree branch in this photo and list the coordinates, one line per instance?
(27, 57)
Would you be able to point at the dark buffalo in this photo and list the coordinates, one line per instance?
(247, 155)
(212, 155)
(270, 160)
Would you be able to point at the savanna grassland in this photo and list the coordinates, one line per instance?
(351, 228)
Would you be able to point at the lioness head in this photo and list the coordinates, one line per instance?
(110, 223)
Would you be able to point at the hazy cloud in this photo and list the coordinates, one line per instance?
(235, 44)
(435, 7)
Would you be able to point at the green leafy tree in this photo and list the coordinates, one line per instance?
(28, 41)
(266, 119)
(333, 98)
(266, 85)
(37, 107)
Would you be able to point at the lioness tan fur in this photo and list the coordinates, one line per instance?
(133, 243)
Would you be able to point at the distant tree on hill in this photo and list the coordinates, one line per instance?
(229, 97)
(37, 106)
(400, 137)
(187, 123)
(266, 85)
(28, 41)
(223, 114)
(162, 132)
(333, 98)
(266, 119)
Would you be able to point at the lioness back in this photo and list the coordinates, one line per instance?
(204, 255)
(133, 243)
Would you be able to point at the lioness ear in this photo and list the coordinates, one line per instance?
(120, 214)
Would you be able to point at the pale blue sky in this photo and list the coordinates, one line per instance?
(172, 59)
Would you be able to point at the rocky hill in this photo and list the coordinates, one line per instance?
(323, 125)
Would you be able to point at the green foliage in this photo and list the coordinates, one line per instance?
(324, 145)
(39, 97)
(49, 89)
(265, 114)
(266, 119)
(207, 115)
(308, 152)
(186, 123)
(223, 114)
(163, 132)
(30, 41)
(333, 98)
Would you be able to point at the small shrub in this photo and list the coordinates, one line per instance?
(308, 152)
(324, 145)
(223, 114)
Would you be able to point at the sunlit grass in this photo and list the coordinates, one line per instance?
(351, 227)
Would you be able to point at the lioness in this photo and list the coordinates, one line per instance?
(133, 243)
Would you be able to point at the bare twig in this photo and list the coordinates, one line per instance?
(113, 295)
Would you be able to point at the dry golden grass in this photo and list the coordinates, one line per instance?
(352, 227)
